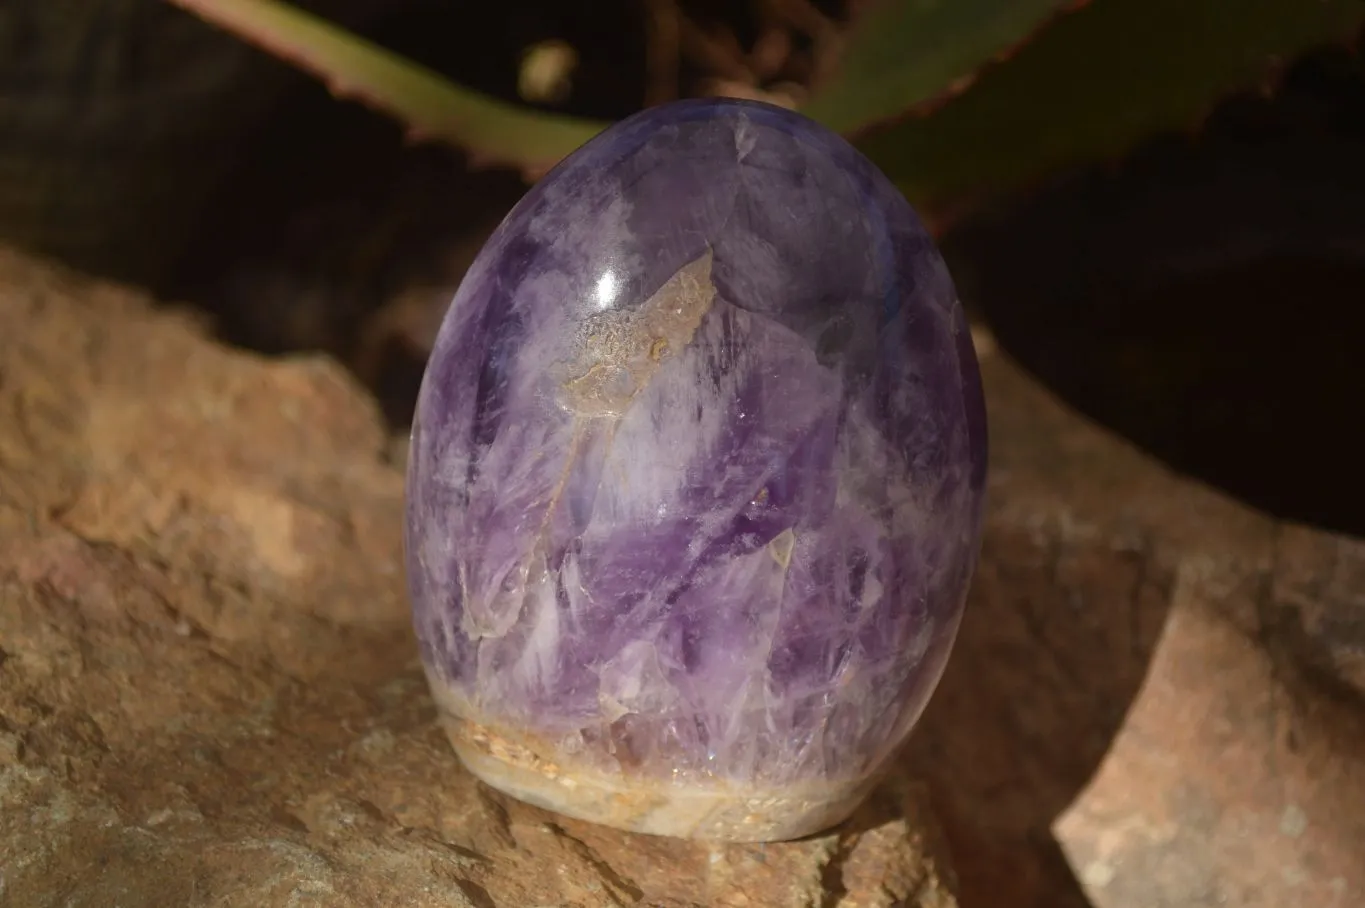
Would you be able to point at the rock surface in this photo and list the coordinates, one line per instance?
(1157, 697)
(209, 691)
(209, 688)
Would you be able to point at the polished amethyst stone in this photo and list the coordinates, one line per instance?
(696, 479)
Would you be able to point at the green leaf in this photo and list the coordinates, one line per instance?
(431, 108)
(1094, 83)
(903, 54)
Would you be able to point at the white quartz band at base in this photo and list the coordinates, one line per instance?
(663, 808)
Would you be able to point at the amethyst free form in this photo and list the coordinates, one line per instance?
(695, 483)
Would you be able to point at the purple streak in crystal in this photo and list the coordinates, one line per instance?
(696, 479)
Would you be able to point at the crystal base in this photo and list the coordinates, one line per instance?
(680, 809)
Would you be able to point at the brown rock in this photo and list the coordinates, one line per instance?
(1157, 699)
(209, 691)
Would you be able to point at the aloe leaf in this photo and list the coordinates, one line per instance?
(1075, 87)
(903, 54)
(429, 106)
(1095, 82)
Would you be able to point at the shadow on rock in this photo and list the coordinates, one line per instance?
(1053, 648)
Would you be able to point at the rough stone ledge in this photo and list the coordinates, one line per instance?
(209, 693)
(209, 690)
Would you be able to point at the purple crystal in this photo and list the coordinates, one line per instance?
(696, 478)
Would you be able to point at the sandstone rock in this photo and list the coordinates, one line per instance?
(209, 688)
(209, 691)
(1157, 696)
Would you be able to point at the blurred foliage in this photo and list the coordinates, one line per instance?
(954, 100)
(905, 55)
(1097, 81)
(428, 105)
